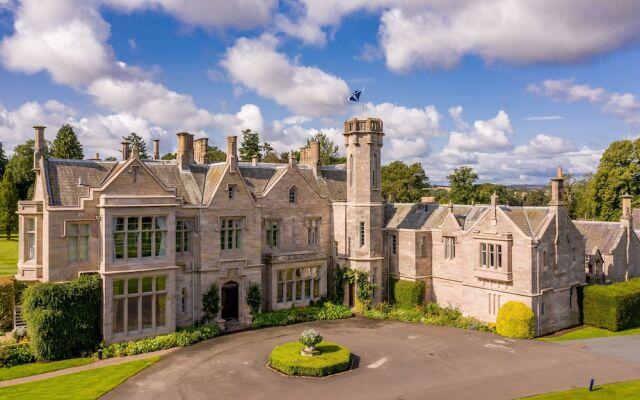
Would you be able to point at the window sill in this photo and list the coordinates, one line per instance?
(493, 275)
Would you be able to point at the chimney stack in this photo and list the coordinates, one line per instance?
(626, 206)
(156, 149)
(314, 157)
(232, 148)
(292, 157)
(125, 150)
(557, 189)
(39, 150)
(184, 155)
(254, 161)
(201, 151)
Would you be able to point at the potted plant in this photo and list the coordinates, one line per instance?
(211, 306)
(254, 300)
(310, 338)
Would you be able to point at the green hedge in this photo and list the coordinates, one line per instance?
(333, 358)
(15, 354)
(181, 338)
(615, 307)
(296, 315)
(63, 319)
(8, 290)
(515, 320)
(408, 294)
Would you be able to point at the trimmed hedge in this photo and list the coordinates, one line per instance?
(408, 294)
(14, 354)
(333, 358)
(614, 307)
(181, 338)
(515, 320)
(8, 289)
(296, 315)
(63, 319)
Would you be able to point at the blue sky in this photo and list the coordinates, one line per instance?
(511, 88)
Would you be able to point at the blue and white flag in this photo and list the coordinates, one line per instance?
(355, 96)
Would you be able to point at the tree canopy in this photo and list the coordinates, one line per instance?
(21, 164)
(328, 149)
(66, 144)
(215, 154)
(3, 161)
(462, 182)
(404, 183)
(250, 145)
(135, 140)
(8, 202)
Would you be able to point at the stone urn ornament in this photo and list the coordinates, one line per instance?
(310, 338)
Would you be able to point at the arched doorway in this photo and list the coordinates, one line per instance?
(230, 300)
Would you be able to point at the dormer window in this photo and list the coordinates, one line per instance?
(292, 195)
(231, 191)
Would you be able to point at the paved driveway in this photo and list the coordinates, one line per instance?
(624, 347)
(396, 360)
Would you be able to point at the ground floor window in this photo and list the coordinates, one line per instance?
(296, 284)
(139, 303)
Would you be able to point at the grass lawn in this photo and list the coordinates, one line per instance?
(620, 390)
(89, 384)
(19, 371)
(8, 255)
(590, 332)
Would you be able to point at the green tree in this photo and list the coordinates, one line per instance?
(271, 157)
(483, 192)
(215, 154)
(135, 140)
(3, 161)
(66, 144)
(575, 196)
(21, 163)
(111, 158)
(404, 183)
(462, 182)
(536, 197)
(250, 145)
(618, 173)
(8, 202)
(441, 195)
(168, 156)
(328, 149)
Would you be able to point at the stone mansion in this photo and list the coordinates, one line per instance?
(160, 233)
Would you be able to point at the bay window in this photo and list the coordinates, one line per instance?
(30, 228)
(491, 255)
(139, 304)
(297, 284)
(139, 237)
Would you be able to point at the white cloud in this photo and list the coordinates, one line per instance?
(543, 118)
(545, 145)
(623, 105)
(369, 53)
(456, 115)
(255, 64)
(488, 136)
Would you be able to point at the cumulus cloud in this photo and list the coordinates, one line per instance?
(623, 105)
(487, 136)
(257, 65)
(543, 144)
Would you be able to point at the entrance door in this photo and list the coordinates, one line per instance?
(352, 295)
(230, 300)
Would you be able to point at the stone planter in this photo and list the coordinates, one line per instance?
(309, 351)
(221, 324)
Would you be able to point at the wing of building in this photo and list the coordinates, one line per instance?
(161, 233)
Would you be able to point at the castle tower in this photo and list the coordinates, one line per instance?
(364, 211)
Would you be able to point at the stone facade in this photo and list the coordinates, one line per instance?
(161, 233)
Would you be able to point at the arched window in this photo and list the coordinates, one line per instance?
(292, 195)
(374, 171)
(350, 166)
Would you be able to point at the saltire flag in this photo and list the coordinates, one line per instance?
(355, 96)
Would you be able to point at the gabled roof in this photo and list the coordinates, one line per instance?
(601, 235)
(69, 180)
(407, 215)
(258, 178)
(333, 182)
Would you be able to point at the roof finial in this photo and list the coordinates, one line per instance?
(559, 172)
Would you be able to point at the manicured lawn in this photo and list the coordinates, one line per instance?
(19, 371)
(590, 332)
(89, 384)
(620, 390)
(8, 256)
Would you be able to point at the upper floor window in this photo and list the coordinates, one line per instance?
(231, 191)
(30, 231)
(136, 237)
(183, 236)
(292, 195)
(78, 237)
(313, 231)
(230, 233)
(362, 234)
(393, 239)
(449, 247)
(272, 233)
(491, 255)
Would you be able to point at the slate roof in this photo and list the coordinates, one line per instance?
(70, 179)
(601, 235)
(334, 182)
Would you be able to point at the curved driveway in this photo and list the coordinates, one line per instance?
(396, 360)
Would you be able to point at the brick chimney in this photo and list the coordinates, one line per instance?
(184, 155)
(626, 206)
(254, 161)
(125, 150)
(232, 148)
(156, 149)
(201, 151)
(314, 157)
(557, 189)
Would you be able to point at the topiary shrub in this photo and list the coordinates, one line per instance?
(63, 319)
(515, 320)
(408, 294)
(254, 298)
(211, 302)
(615, 307)
(332, 359)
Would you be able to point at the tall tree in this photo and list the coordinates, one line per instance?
(618, 173)
(462, 182)
(21, 164)
(3, 161)
(135, 140)
(8, 203)
(250, 145)
(404, 183)
(328, 149)
(66, 144)
(535, 197)
(215, 154)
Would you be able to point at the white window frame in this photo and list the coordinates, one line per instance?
(156, 229)
(272, 233)
(231, 233)
(31, 238)
(491, 255)
(449, 247)
(288, 280)
(155, 294)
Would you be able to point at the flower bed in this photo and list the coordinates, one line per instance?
(296, 315)
(332, 359)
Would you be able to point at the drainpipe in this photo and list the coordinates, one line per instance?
(538, 288)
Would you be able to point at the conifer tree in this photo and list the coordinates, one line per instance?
(135, 140)
(8, 203)
(3, 161)
(66, 144)
(250, 145)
